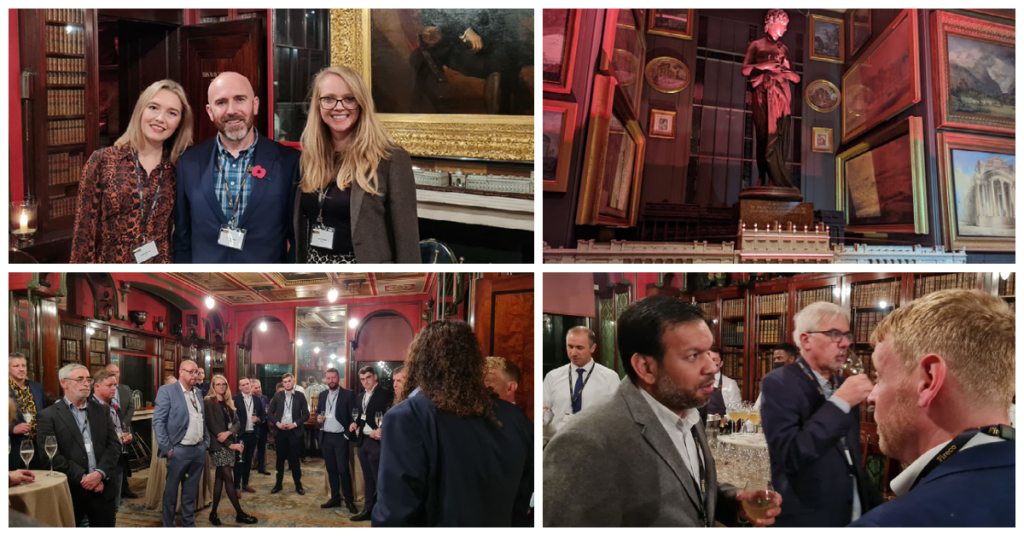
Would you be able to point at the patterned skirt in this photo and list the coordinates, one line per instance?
(320, 256)
(223, 458)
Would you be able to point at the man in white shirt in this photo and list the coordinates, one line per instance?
(581, 384)
(945, 367)
(727, 391)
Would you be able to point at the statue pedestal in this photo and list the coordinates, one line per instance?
(763, 213)
(771, 193)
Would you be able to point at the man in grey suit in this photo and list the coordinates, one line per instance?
(181, 436)
(124, 405)
(641, 458)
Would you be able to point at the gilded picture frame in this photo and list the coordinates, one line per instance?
(563, 63)
(889, 198)
(489, 137)
(962, 204)
(656, 16)
(814, 98)
(657, 129)
(821, 140)
(831, 48)
(557, 154)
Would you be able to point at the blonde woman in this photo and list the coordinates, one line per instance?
(126, 193)
(357, 197)
(223, 425)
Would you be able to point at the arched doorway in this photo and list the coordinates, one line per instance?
(381, 341)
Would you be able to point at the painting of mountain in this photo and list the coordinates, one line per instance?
(981, 78)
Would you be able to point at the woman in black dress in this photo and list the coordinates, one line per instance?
(223, 425)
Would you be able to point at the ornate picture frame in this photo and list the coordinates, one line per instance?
(821, 140)
(890, 198)
(662, 124)
(559, 79)
(666, 68)
(657, 23)
(623, 49)
(827, 39)
(557, 150)
(819, 102)
(974, 215)
(858, 30)
(983, 53)
(490, 137)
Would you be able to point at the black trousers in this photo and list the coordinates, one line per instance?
(244, 466)
(288, 446)
(335, 450)
(89, 504)
(369, 460)
(261, 448)
(771, 148)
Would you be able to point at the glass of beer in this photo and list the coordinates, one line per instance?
(760, 498)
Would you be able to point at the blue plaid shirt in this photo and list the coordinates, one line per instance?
(230, 172)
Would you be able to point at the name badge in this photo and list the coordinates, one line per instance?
(145, 252)
(231, 237)
(88, 447)
(286, 419)
(323, 237)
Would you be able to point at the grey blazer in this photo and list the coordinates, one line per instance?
(615, 466)
(170, 418)
(385, 227)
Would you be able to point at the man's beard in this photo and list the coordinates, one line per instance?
(895, 427)
(242, 133)
(676, 398)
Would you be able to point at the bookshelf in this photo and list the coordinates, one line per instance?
(771, 328)
(1006, 289)
(733, 339)
(925, 284)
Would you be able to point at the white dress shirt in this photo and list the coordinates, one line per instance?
(678, 430)
(730, 390)
(247, 401)
(560, 383)
(331, 424)
(902, 483)
(194, 404)
(367, 429)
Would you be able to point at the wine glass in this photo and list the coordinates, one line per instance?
(760, 498)
(28, 449)
(379, 417)
(126, 430)
(355, 414)
(854, 364)
(50, 446)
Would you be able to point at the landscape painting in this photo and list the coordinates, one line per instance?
(981, 80)
(984, 190)
(826, 39)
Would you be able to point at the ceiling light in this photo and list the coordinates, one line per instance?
(316, 349)
(883, 304)
(333, 356)
(353, 323)
(332, 295)
(209, 302)
(298, 342)
(263, 325)
(342, 360)
(1005, 275)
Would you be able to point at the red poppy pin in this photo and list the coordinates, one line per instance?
(258, 172)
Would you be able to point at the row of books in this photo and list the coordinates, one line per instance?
(732, 308)
(864, 323)
(65, 168)
(62, 206)
(926, 284)
(809, 296)
(65, 102)
(763, 365)
(771, 331)
(709, 309)
(1008, 287)
(71, 16)
(732, 333)
(872, 294)
(61, 78)
(771, 304)
(732, 364)
(65, 65)
(65, 132)
(65, 40)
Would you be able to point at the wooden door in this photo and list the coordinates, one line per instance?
(210, 49)
(503, 313)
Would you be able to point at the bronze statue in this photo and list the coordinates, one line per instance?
(767, 66)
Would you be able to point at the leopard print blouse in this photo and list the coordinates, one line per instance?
(107, 225)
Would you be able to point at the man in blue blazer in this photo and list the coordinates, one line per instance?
(235, 190)
(28, 398)
(811, 420)
(945, 367)
(334, 413)
(181, 437)
(252, 414)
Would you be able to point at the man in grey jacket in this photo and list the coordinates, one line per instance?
(181, 436)
(641, 459)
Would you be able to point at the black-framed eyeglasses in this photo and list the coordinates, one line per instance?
(836, 335)
(348, 103)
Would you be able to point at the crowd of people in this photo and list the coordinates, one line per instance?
(241, 197)
(941, 393)
(453, 449)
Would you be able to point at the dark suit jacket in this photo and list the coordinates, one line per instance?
(267, 218)
(616, 466)
(385, 227)
(342, 410)
(258, 409)
(973, 488)
(37, 394)
(127, 406)
(381, 401)
(71, 458)
(438, 469)
(809, 467)
(300, 412)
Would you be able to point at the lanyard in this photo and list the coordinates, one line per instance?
(331, 404)
(140, 174)
(811, 376)
(192, 399)
(572, 399)
(248, 406)
(366, 400)
(117, 421)
(237, 198)
(956, 445)
(322, 194)
(288, 404)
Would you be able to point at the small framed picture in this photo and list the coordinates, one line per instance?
(826, 37)
(821, 140)
(662, 124)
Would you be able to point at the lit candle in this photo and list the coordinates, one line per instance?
(24, 222)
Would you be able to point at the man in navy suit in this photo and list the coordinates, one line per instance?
(811, 420)
(334, 413)
(945, 368)
(236, 190)
(251, 414)
(375, 399)
(181, 436)
(29, 401)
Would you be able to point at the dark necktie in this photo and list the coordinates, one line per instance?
(577, 392)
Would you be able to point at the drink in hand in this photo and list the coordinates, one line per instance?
(759, 498)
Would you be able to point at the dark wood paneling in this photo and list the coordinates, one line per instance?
(146, 53)
(503, 313)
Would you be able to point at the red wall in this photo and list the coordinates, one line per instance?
(569, 294)
(272, 347)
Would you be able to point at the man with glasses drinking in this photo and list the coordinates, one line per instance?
(811, 421)
(181, 436)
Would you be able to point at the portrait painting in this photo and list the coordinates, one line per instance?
(667, 74)
(822, 96)
(452, 61)
(979, 187)
(821, 140)
(826, 35)
(976, 78)
(662, 124)
(884, 80)
(676, 23)
(559, 48)
(558, 129)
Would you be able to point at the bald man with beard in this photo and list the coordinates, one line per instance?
(236, 191)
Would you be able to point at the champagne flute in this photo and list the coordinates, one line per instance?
(50, 446)
(28, 449)
(355, 414)
(379, 417)
(760, 498)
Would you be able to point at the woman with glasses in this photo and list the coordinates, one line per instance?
(357, 196)
(223, 425)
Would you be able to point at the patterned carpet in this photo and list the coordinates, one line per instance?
(285, 509)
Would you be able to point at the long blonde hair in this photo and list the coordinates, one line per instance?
(368, 146)
(227, 392)
(182, 137)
